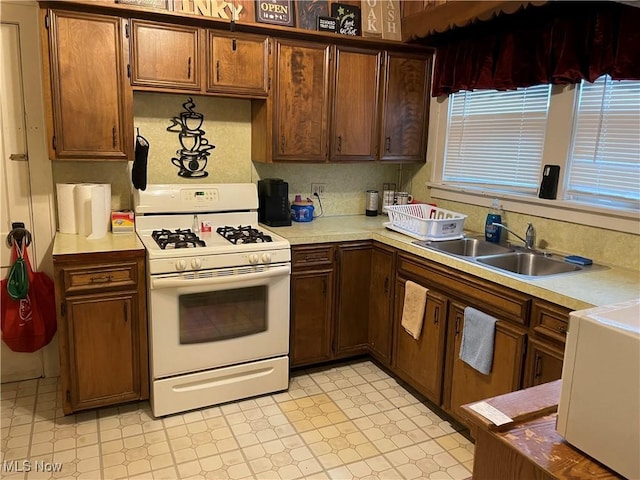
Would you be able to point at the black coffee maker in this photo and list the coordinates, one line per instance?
(273, 208)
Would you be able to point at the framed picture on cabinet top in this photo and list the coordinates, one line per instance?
(327, 24)
(275, 12)
(308, 12)
(349, 18)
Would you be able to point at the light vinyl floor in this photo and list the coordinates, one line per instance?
(346, 421)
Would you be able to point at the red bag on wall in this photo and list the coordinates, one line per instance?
(29, 323)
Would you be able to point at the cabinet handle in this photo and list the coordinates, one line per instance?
(217, 70)
(233, 45)
(537, 367)
(339, 144)
(386, 285)
(189, 68)
(387, 144)
(126, 313)
(457, 325)
(324, 286)
(436, 316)
(103, 279)
(113, 136)
(282, 144)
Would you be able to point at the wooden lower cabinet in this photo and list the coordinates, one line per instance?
(329, 307)
(102, 325)
(543, 364)
(421, 362)
(352, 292)
(381, 303)
(467, 384)
(311, 315)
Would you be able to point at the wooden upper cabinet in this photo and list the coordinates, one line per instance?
(301, 100)
(165, 55)
(237, 64)
(91, 106)
(405, 108)
(354, 126)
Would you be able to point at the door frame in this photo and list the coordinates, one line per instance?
(26, 15)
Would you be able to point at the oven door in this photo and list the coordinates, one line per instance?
(207, 319)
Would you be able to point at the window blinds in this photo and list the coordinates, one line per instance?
(495, 139)
(605, 160)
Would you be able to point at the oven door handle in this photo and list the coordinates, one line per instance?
(175, 281)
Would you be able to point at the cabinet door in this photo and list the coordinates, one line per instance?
(354, 126)
(380, 303)
(165, 56)
(311, 314)
(301, 101)
(237, 64)
(102, 341)
(352, 318)
(91, 108)
(421, 361)
(467, 384)
(405, 108)
(543, 364)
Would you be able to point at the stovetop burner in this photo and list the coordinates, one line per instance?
(180, 238)
(240, 234)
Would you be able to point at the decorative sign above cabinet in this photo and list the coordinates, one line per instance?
(277, 12)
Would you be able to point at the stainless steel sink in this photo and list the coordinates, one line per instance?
(466, 247)
(529, 264)
(507, 259)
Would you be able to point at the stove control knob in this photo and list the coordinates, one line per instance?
(181, 265)
(253, 259)
(196, 263)
(266, 257)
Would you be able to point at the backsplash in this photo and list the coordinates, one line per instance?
(227, 125)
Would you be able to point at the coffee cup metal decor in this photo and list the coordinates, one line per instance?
(192, 158)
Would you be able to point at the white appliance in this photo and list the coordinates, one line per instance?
(599, 409)
(218, 295)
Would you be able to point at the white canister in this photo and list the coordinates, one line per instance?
(371, 209)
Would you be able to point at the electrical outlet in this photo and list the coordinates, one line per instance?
(318, 188)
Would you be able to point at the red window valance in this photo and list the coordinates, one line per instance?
(559, 43)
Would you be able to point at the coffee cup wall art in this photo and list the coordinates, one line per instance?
(191, 160)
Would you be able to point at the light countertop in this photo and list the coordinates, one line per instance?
(68, 244)
(575, 291)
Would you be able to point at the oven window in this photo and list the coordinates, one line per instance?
(211, 316)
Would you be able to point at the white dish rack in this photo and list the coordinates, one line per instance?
(425, 222)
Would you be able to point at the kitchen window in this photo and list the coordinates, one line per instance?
(495, 144)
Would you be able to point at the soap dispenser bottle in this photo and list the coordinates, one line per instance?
(491, 231)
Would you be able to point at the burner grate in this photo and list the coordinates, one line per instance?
(246, 234)
(180, 238)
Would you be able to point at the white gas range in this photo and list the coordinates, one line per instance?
(218, 295)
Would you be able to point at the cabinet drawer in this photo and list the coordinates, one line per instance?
(101, 277)
(550, 321)
(312, 256)
(494, 299)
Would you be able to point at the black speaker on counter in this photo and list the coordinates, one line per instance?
(549, 184)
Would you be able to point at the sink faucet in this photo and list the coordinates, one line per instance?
(529, 241)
